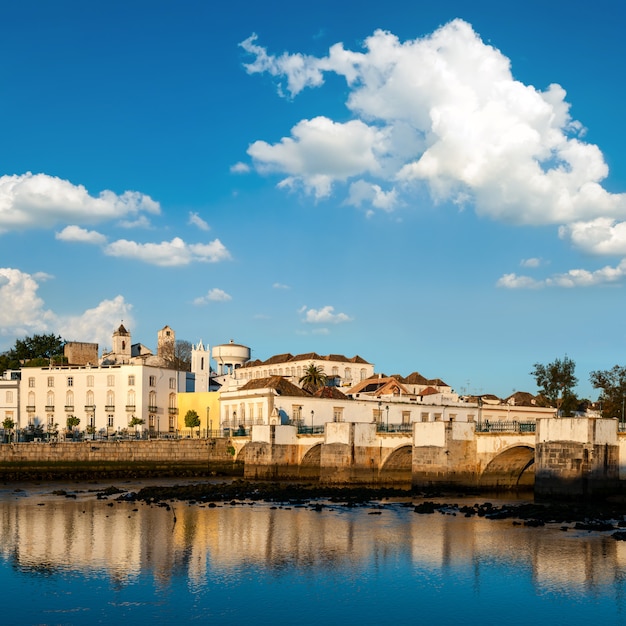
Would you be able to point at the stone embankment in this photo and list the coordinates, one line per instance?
(131, 459)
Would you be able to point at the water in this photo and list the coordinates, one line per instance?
(90, 561)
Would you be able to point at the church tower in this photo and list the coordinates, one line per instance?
(121, 345)
(201, 366)
(166, 342)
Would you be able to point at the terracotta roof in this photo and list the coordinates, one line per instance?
(429, 391)
(307, 356)
(280, 384)
(521, 398)
(330, 392)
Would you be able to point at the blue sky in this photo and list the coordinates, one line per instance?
(436, 187)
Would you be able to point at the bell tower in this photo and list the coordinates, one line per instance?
(121, 345)
(201, 366)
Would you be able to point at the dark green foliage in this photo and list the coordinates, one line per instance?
(612, 384)
(556, 382)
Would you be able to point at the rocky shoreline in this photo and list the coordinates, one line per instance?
(591, 516)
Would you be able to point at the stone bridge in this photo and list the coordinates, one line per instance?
(564, 456)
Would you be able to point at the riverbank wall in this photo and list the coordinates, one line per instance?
(87, 459)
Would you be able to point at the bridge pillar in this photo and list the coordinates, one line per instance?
(273, 453)
(576, 457)
(444, 455)
(350, 454)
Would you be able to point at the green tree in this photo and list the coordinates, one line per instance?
(8, 425)
(612, 384)
(136, 421)
(556, 382)
(72, 422)
(192, 420)
(34, 351)
(313, 378)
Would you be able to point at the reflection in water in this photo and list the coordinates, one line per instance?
(214, 552)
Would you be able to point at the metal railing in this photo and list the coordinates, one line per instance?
(505, 427)
(394, 428)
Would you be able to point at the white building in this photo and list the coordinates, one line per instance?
(340, 371)
(129, 382)
(104, 398)
(9, 396)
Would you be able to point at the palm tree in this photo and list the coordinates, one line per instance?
(313, 378)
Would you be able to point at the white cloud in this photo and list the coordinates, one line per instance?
(571, 279)
(39, 200)
(214, 295)
(443, 111)
(320, 152)
(97, 324)
(196, 220)
(76, 233)
(531, 262)
(28, 314)
(280, 286)
(325, 315)
(141, 222)
(240, 168)
(602, 236)
(169, 253)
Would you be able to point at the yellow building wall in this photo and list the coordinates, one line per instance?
(206, 404)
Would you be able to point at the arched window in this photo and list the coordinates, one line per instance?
(172, 401)
(152, 400)
(130, 400)
(50, 398)
(89, 399)
(110, 398)
(69, 398)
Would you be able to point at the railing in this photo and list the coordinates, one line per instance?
(69, 408)
(310, 430)
(394, 428)
(505, 427)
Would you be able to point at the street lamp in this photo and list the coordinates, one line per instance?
(380, 414)
(312, 415)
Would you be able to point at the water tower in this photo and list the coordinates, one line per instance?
(230, 356)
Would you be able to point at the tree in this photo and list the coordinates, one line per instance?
(34, 351)
(313, 378)
(556, 382)
(192, 420)
(72, 422)
(180, 358)
(613, 390)
(136, 421)
(8, 424)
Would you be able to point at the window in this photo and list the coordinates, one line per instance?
(348, 374)
(437, 417)
(31, 382)
(296, 412)
(152, 381)
(131, 380)
(9, 397)
(111, 380)
(172, 383)
(89, 399)
(50, 399)
(378, 416)
(90, 381)
(110, 421)
(70, 381)
(424, 417)
(337, 414)
(50, 381)
(69, 399)
(110, 399)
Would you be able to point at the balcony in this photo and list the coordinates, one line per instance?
(130, 408)
(172, 410)
(109, 408)
(152, 409)
(69, 408)
(50, 408)
(90, 408)
(30, 408)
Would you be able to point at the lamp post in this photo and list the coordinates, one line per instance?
(312, 415)
(387, 407)
(380, 414)
(208, 412)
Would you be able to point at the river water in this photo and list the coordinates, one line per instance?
(83, 560)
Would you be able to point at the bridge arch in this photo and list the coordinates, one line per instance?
(310, 463)
(512, 468)
(397, 467)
